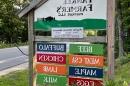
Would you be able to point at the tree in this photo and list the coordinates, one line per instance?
(11, 26)
(123, 26)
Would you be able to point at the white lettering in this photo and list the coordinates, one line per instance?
(51, 47)
(85, 49)
(85, 72)
(50, 69)
(85, 83)
(91, 60)
(50, 58)
(50, 80)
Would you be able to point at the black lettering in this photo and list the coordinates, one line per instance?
(74, 2)
(77, 1)
(58, 9)
(90, 7)
(69, 9)
(85, 8)
(63, 9)
(84, 1)
(90, 1)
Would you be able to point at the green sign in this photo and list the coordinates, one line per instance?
(94, 49)
(51, 80)
(85, 23)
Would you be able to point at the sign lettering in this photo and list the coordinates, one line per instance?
(51, 47)
(86, 72)
(51, 80)
(68, 32)
(84, 82)
(51, 58)
(51, 69)
(86, 60)
(75, 10)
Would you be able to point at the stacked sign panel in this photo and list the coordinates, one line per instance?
(69, 63)
(51, 66)
(86, 69)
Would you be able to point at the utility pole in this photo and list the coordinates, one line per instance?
(111, 38)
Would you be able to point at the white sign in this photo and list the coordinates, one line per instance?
(72, 32)
(73, 9)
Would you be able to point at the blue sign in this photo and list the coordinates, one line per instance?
(51, 47)
(86, 72)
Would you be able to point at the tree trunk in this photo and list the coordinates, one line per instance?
(120, 44)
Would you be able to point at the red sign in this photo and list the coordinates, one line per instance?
(84, 82)
(51, 58)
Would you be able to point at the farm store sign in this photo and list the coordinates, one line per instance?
(73, 9)
(89, 14)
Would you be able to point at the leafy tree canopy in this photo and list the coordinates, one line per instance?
(11, 26)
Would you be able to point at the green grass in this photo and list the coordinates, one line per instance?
(122, 73)
(6, 45)
(19, 78)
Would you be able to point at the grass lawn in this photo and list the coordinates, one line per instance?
(19, 78)
(123, 73)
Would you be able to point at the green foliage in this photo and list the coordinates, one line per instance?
(125, 60)
(122, 61)
(116, 83)
(11, 26)
(123, 13)
(122, 73)
(110, 83)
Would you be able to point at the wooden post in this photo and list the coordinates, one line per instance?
(111, 38)
(31, 45)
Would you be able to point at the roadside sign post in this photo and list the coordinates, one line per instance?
(65, 54)
(31, 45)
(111, 38)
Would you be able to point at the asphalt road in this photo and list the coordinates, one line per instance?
(10, 57)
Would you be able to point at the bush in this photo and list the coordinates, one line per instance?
(124, 60)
